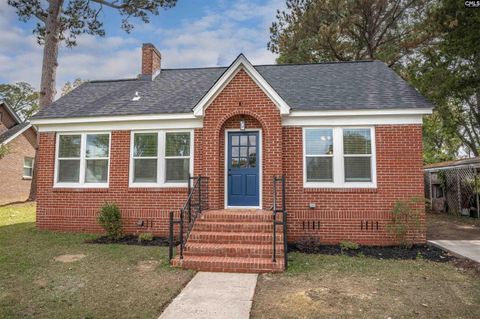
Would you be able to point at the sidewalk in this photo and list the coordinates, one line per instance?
(464, 248)
(214, 296)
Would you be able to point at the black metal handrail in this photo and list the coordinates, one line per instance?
(283, 222)
(191, 216)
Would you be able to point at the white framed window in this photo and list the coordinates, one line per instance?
(339, 157)
(161, 158)
(82, 159)
(28, 167)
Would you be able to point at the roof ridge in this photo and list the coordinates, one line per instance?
(113, 80)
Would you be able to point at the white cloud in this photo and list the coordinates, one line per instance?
(215, 38)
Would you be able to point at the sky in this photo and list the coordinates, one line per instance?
(195, 33)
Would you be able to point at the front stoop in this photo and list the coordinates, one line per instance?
(233, 241)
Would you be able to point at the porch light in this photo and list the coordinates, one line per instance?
(242, 124)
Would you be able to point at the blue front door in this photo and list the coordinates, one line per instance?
(243, 177)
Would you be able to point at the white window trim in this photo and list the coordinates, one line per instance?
(338, 160)
(161, 159)
(31, 167)
(83, 146)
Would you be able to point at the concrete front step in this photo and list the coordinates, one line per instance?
(229, 264)
(232, 250)
(234, 226)
(233, 237)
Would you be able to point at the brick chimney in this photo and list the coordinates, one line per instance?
(151, 61)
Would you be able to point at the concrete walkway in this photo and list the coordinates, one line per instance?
(464, 248)
(214, 296)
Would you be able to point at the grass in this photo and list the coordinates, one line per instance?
(321, 286)
(112, 281)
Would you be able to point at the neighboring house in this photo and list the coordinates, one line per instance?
(19, 139)
(346, 136)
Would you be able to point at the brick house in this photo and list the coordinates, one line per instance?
(19, 138)
(347, 137)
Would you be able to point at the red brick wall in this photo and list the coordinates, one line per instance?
(241, 98)
(68, 209)
(13, 187)
(341, 212)
(338, 215)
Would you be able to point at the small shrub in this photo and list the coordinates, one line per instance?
(348, 245)
(308, 245)
(111, 220)
(145, 237)
(405, 223)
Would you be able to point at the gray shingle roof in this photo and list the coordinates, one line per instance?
(320, 86)
(12, 131)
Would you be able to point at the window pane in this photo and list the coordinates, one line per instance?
(97, 145)
(319, 141)
(69, 145)
(27, 172)
(145, 171)
(177, 144)
(243, 151)
(357, 169)
(28, 162)
(243, 140)
(252, 140)
(177, 170)
(235, 151)
(96, 171)
(235, 140)
(356, 141)
(319, 169)
(69, 171)
(145, 144)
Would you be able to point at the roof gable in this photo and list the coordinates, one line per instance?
(241, 62)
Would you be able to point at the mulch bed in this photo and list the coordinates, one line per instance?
(381, 252)
(130, 240)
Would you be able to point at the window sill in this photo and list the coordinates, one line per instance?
(60, 189)
(156, 189)
(27, 178)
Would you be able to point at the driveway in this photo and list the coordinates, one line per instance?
(459, 235)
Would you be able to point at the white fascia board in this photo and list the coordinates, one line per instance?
(352, 120)
(119, 118)
(399, 111)
(11, 111)
(11, 138)
(228, 75)
(123, 125)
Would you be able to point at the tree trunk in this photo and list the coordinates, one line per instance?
(49, 71)
(50, 53)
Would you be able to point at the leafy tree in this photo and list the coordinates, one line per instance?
(448, 73)
(343, 30)
(69, 87)
(3, 150)
(63, 20)
(22, 97)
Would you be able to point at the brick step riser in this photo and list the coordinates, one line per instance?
(229, 219)
(225, 239)
(233, 267)
(225, 252)
(233, 227)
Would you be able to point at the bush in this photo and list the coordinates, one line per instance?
(348, 245)
(405, 223)
(145, 237)
(308, 245)
(111, 220)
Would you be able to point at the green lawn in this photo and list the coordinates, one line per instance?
(321, 286)
(111, 281)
